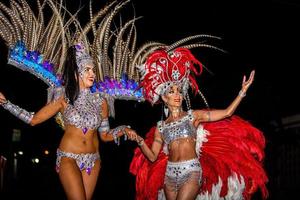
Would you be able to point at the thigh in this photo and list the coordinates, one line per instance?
(71, 179)
(90, 180)
(170, 192)
(189, 190)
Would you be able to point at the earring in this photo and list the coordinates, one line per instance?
(166, 110)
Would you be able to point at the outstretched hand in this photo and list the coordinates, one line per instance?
(246, 83)
(2, 99)
(131, 134)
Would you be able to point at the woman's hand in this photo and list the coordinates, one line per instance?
(2, 99)
(131, 134)
(246, 83)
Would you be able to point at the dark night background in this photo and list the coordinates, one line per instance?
(260, 35)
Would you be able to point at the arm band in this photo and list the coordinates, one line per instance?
(158, 141)
(208, 116)
(104, 126)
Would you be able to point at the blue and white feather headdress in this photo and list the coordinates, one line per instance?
(39, 46)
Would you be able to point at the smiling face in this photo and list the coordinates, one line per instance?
(87, 76)
(173, 97)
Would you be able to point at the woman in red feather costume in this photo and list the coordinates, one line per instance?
(194, 154)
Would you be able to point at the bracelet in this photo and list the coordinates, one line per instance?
(115, 131)
(116, 139)
(242, 94)
(140, 142)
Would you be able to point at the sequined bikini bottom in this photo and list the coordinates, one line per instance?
(84, 160)
(178, 173)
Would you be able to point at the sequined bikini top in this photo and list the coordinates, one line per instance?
(182, 128)
(86, 111)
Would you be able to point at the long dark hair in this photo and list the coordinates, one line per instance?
(71, 76)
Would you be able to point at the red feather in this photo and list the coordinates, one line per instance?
(159, 68)
(233, 146)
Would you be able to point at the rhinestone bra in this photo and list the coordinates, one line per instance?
(181, 128)
(86, 111)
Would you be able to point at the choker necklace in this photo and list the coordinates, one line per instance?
(176, 112)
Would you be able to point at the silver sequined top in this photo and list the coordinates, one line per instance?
(182, 128)
(86, 111)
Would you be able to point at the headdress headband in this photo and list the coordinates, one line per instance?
(164, 69)
(82, 57)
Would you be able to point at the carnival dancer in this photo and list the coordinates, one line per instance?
(194, 154)
(80, 103)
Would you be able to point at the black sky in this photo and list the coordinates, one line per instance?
(260, 35)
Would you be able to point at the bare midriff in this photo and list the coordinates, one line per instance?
(75, 141)
(182, 149)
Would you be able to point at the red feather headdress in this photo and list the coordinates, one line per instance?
(163, 69)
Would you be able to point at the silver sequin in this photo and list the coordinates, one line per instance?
(179, 173)
(182, 128)
(84, 160)
(86, 111)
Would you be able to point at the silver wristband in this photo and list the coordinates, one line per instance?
(242, 94)
(140, 142)
(20, 113)
(115, 132)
